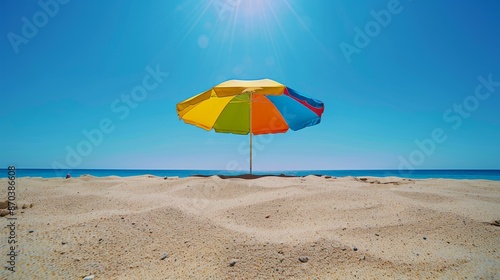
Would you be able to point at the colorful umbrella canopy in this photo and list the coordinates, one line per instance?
(255, 107)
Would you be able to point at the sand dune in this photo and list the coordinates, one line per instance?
(148, 227)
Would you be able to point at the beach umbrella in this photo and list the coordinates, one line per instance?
(250, 107)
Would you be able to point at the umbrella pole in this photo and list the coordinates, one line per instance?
(251, 99)
(250, 152)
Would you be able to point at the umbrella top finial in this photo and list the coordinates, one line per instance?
(251, 90)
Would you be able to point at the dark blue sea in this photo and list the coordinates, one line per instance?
(415, 174)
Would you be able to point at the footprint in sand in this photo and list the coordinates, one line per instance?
(495, 223)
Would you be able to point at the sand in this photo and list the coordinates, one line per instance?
(148, 227)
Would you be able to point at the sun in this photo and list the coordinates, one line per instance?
(253, 8)
(240, 8)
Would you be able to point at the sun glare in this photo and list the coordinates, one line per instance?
(271, 23)
(253, 8)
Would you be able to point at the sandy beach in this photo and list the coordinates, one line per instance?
(149, 227)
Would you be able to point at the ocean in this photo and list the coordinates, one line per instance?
(415, 174)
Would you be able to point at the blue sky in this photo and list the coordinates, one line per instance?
(404, 93)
